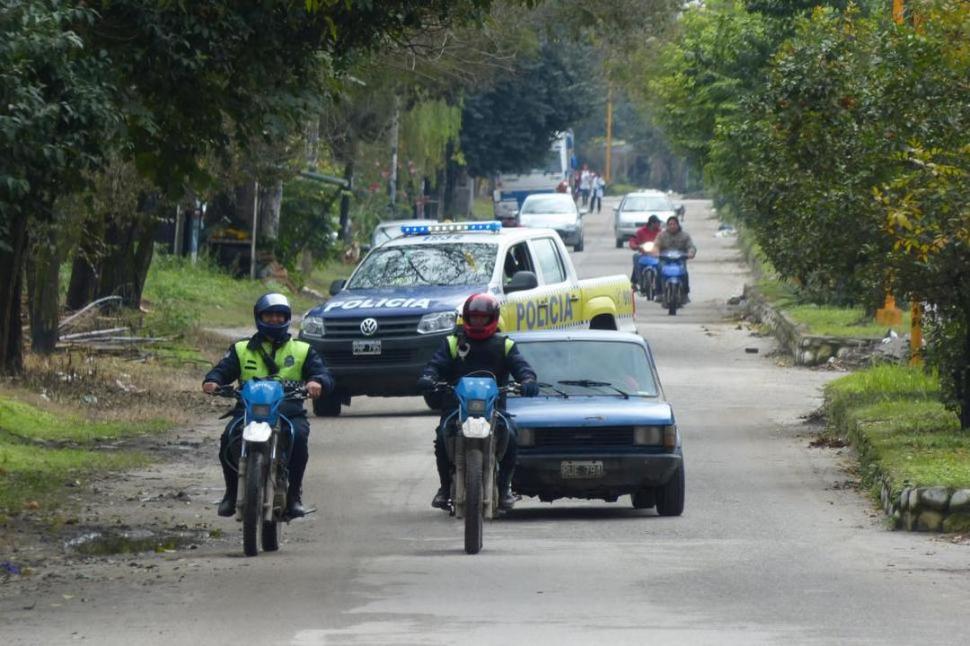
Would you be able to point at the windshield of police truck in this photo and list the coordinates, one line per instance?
(619, 363)
(447, 263)
(647, 203)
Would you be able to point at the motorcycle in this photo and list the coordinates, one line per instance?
(263, 460)
(647, 267)
(475, 448)
(673, 274)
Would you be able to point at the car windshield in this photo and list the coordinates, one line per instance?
(647, 203)
(549, 205)
(452, 263)
(621, 365)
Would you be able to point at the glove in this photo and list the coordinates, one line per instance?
(425, 384)
(530, 388)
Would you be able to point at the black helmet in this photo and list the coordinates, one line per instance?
(653, 219)
(272, 302)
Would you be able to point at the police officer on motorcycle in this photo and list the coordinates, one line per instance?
(271, 352)
(477, 347)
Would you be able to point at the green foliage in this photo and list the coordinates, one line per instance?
(54, 107)
(35, 467)
(426, 130)
(510, 126)
(306, 221)
(899, 428)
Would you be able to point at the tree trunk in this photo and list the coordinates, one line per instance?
(84, 270)
(270, 200)
(125, 267)
(12, 268)
(345, 232)
(43, 281)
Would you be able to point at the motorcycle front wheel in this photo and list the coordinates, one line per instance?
(473, 500)
(252, 515)
(646, 284)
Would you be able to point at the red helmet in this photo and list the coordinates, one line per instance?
(479, 316)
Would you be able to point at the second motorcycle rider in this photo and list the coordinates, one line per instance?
(477, 347)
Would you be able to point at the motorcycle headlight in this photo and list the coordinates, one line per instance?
(437, 322)
(476, 407)
(526, 437)
(313, 326)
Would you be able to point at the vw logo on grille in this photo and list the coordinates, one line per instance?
(368, 327)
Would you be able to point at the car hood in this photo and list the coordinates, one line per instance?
(545, 412)
(547, 219)
(396, 301)
(643, 216)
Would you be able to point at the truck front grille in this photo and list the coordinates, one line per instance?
(387, 326)
(588, 436)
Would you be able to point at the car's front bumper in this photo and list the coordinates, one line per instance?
(540, 473)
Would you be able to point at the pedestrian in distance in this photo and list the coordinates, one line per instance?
(597, 189)
(585, 183)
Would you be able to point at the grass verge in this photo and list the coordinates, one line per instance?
(901, 431)
(43, 452)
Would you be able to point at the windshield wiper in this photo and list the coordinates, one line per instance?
(542, 384)
(587, 383)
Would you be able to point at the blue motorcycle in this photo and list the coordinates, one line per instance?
(265, 443)
(475, 448)
(673, 276)
(648, 266)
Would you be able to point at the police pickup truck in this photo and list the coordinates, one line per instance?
(383, 323)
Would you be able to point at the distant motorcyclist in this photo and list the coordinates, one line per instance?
(271, 352)
(647, 233)
(477, 347)
(674, 238)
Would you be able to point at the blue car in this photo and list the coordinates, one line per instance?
(601, 427)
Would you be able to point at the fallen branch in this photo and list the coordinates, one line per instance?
(70, 319)
(80, 336)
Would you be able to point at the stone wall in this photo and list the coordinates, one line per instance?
(927, 509)
(804, 348)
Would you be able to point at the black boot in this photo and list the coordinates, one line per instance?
(294, 503)
(442, 499)
(227, 507)
(506, 499)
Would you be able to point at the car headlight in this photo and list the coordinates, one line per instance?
(526, 437)
(437, 322)
(651, 435)
(312, 326)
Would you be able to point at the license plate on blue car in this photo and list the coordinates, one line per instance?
(580, 470)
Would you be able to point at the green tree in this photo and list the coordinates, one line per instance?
(510, 126)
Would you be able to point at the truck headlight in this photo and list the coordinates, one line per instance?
(437, 322)
(648, 435)
(526, 437)
(312, 326)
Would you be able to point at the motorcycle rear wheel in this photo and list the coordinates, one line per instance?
(272, 532)
(473, 501)
(252, 515)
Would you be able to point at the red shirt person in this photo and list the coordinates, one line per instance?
(647, 233)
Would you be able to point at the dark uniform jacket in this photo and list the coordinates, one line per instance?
(459, 356)
(229, 370)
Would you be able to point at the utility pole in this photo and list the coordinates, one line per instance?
(252, 242)
(395, 125)
(608, 166)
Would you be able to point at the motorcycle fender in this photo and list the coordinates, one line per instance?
(476, 428)
(257, 432)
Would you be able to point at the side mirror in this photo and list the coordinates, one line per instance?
(521, 281)
(337, 286)
(365, 249)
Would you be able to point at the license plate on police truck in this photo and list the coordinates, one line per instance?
(580, 470)
(367, 347)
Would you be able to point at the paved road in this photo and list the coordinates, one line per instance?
(771, 549)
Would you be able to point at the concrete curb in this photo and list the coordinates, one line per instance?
(804, 348)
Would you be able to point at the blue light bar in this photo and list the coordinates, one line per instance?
(493, 226)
